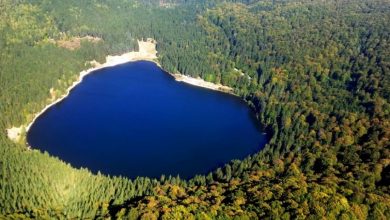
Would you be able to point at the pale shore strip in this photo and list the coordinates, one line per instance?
(201, 83)
(147, 51)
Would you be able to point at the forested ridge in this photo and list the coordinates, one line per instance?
(317, 74)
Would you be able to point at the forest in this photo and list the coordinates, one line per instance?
(317, 74)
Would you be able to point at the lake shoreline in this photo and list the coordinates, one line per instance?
(147, 52)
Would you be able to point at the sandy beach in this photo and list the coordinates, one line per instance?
(147, 51)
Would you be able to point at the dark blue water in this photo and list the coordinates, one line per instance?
(136, 120)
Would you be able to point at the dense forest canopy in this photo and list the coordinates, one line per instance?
(317, 74)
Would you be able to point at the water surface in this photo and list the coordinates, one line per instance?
(136, 120)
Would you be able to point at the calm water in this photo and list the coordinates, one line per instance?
(136, 120)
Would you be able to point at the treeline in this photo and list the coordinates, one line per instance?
(316, 73)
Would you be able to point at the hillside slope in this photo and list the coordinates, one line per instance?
(317, 74)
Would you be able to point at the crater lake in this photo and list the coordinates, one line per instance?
(135, 120)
